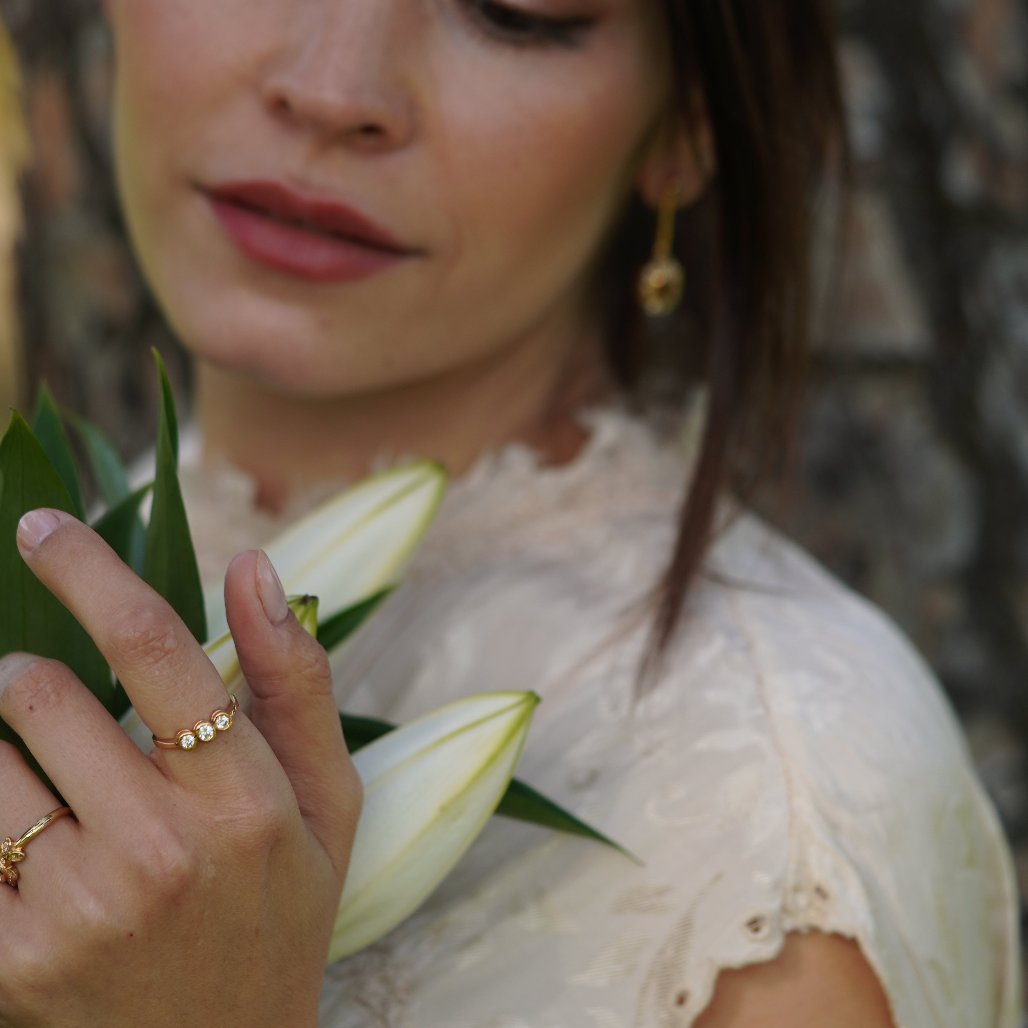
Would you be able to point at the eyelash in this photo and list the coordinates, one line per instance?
(523, 28)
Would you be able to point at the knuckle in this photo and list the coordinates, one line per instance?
(165, 862)
(59, 953)
(303, 669)
(159, 860)
(259, 823)
(144, 636)
(311, 667)
(27, 978)
(91, 916)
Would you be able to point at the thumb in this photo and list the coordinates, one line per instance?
(293, 705)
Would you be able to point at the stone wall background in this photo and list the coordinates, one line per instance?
(86, 319)
(13, 156)
(914, 484)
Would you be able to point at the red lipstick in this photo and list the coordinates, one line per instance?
(310, 238)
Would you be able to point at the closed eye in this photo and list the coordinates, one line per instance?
(521, 27)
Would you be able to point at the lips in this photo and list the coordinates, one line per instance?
(310, 238)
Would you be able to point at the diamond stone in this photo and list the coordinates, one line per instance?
(223, 722)
(205, 730)
(187, 741)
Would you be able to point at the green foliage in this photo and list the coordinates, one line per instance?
(335, 630)
(169, 560)
(38, 469)
(49, 431)
(31, 619)
(122, 527)
(108, 472)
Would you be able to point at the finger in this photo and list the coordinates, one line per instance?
(293, 704)
(80, 747)
(24, 799)
(165, 672)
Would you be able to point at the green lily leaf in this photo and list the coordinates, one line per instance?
(122, 528)
(520, 802)
(523, 803)
(334, 630)
(108, 472)
(31, 619)
(169, 561)
(49, 431)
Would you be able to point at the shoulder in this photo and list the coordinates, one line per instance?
(882, 833)
(831, 668)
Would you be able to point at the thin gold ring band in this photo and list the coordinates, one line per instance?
(13, 852)
(204, 731)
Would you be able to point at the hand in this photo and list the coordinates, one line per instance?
(194, 887)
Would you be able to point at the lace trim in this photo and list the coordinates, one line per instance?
(627, 465)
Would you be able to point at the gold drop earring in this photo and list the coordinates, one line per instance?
(662, 278)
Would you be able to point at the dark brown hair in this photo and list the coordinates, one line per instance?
(768, 77)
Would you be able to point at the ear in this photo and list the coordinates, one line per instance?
(681, 155)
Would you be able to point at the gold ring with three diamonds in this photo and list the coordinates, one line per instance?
(203, 731)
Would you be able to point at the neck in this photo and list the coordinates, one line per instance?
(287, 442)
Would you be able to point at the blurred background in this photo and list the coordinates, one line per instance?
(915, 444)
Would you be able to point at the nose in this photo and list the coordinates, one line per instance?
(340, 73)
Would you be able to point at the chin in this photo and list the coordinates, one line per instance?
(291, 370)
(242, 339)
(303, 352)
(288, 360)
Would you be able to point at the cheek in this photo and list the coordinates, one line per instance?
(163, 50)
(543, 169)
(154, 89)
(179, 64)
(175, 70)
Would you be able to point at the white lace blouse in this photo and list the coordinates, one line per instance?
(795, 768)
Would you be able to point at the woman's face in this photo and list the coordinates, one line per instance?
(347, 195)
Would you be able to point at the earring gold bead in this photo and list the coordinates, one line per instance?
(662, 279)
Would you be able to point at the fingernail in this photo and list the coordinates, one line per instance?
(270, 591)
(13, 666)
(34, 527)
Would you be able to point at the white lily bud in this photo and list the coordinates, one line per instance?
(429, 788)
(343, 552)
(354, 545)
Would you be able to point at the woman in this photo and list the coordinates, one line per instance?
(394, 226)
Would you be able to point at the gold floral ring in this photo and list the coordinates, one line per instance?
(203, 731)
(13, 852)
